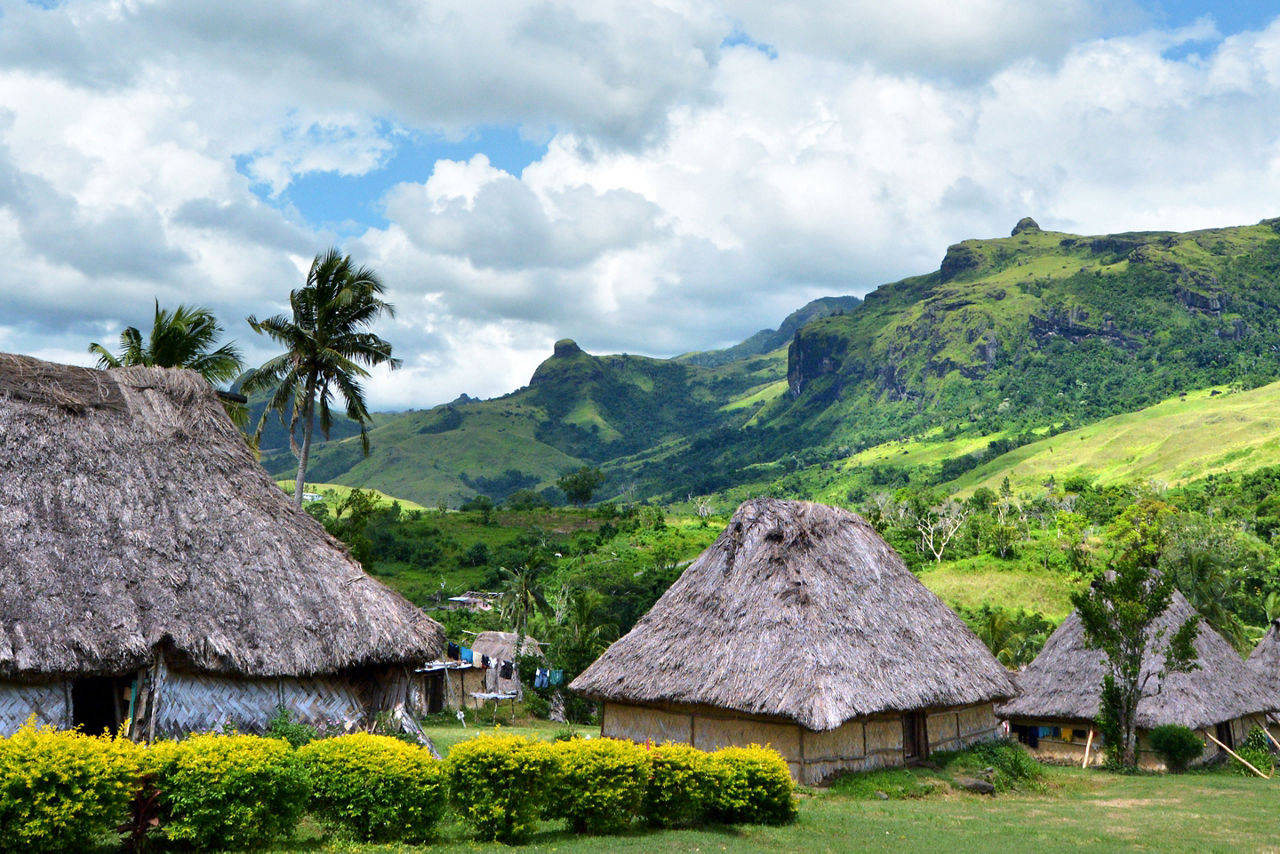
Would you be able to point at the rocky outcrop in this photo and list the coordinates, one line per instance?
(1072, 324)
(1024, 224)
(959, 259)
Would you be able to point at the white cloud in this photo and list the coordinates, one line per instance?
(690, 193)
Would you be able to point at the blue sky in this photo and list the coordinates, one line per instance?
(642, 177)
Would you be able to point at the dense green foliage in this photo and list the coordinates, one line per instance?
(753, 786)
(1256, 750)
(61, 791)
(1177, 745)
(228, 791)
(375, 788)
(602, 783)
(682, 786)
(500, 784)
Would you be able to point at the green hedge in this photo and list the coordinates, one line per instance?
(375, 788)
(499, 784)
(602, 783)
(228, 791)
(682, 786)
(62, 791)
(754, 786)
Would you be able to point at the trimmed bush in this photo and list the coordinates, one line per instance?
(62, 791)
(1176, 745)
(228, 791)
(375, 788)
(681, 786)
(1256, 750)
(500, 783)
(754, 786)
(602, 783)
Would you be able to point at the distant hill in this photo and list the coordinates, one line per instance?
(1008, 337)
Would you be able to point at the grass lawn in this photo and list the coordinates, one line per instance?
(1073, 810)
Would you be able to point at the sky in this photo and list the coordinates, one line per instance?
(643, 177)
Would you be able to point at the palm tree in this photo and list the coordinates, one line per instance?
(522, 596)
(181, 339)
(327, 344)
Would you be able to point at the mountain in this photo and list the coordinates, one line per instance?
(1009, 339)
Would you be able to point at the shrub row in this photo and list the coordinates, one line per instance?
(65, 790)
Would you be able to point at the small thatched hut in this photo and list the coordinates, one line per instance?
(1059, 692)
(800, 628)
(501, 646)
(153, 572)
(1264, 664)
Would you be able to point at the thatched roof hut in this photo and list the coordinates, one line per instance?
(501, 646)
(139, 535)
(1063, 686)
(1264, 664)
(801, 616)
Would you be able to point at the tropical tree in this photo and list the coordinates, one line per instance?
(521, 597)
(1118, 613)
(327, 348)
(183, 338)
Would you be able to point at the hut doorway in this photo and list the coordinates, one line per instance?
(435, 689)
(1224, 734)
(915, 737)
(100, 703)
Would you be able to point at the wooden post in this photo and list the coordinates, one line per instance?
(1267, 730)
(1087, 744)
(1236, 755)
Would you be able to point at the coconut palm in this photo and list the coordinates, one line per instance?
(183, 338)
(327, 346)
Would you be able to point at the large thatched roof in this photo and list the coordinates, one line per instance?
(1264, 663)
(133, 517)
(502, 645)
(802, 611)
(1065, 680)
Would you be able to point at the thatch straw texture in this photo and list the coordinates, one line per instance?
(1065, 680)
(134, 518)
(502, 645)
(1264, 664)
(801, 611)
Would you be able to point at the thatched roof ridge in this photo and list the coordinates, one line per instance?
(1264, 663)
(1065, 680)
(133, 517)
(802, 611)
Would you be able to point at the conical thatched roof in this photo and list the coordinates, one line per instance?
(1264, 663)
(133, 517)
(802, 611)
(1065, 680)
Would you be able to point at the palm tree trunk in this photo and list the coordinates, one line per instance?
(308, 422)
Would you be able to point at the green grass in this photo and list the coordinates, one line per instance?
(971, 583)
(342, 491)
(1075, 810)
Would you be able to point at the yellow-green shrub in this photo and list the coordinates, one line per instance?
(499, 783)
(228, 791)
(377, 788)
(60, 791)
(681, 786)
(754, 786)
(602, 783)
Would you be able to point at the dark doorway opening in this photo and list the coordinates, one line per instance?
(435, 691)
(100, 703)
(1224, 734)
(915, 737)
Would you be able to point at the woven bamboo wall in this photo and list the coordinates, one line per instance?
(48, 701)
(198, 702)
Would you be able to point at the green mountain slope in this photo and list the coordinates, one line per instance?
(1009, 338)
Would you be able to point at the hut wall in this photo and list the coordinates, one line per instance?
(187, 702)
(1068, 744)
(50, 702)
(462, 683)
(954, 729)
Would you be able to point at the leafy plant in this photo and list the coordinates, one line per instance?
(228, 791)
(1256, 750)
(376, 788)
(753, 786)
(499, 784)
(60, 790)
(285, 727)
(602, 783)
(1177, 745)
(682, 785)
